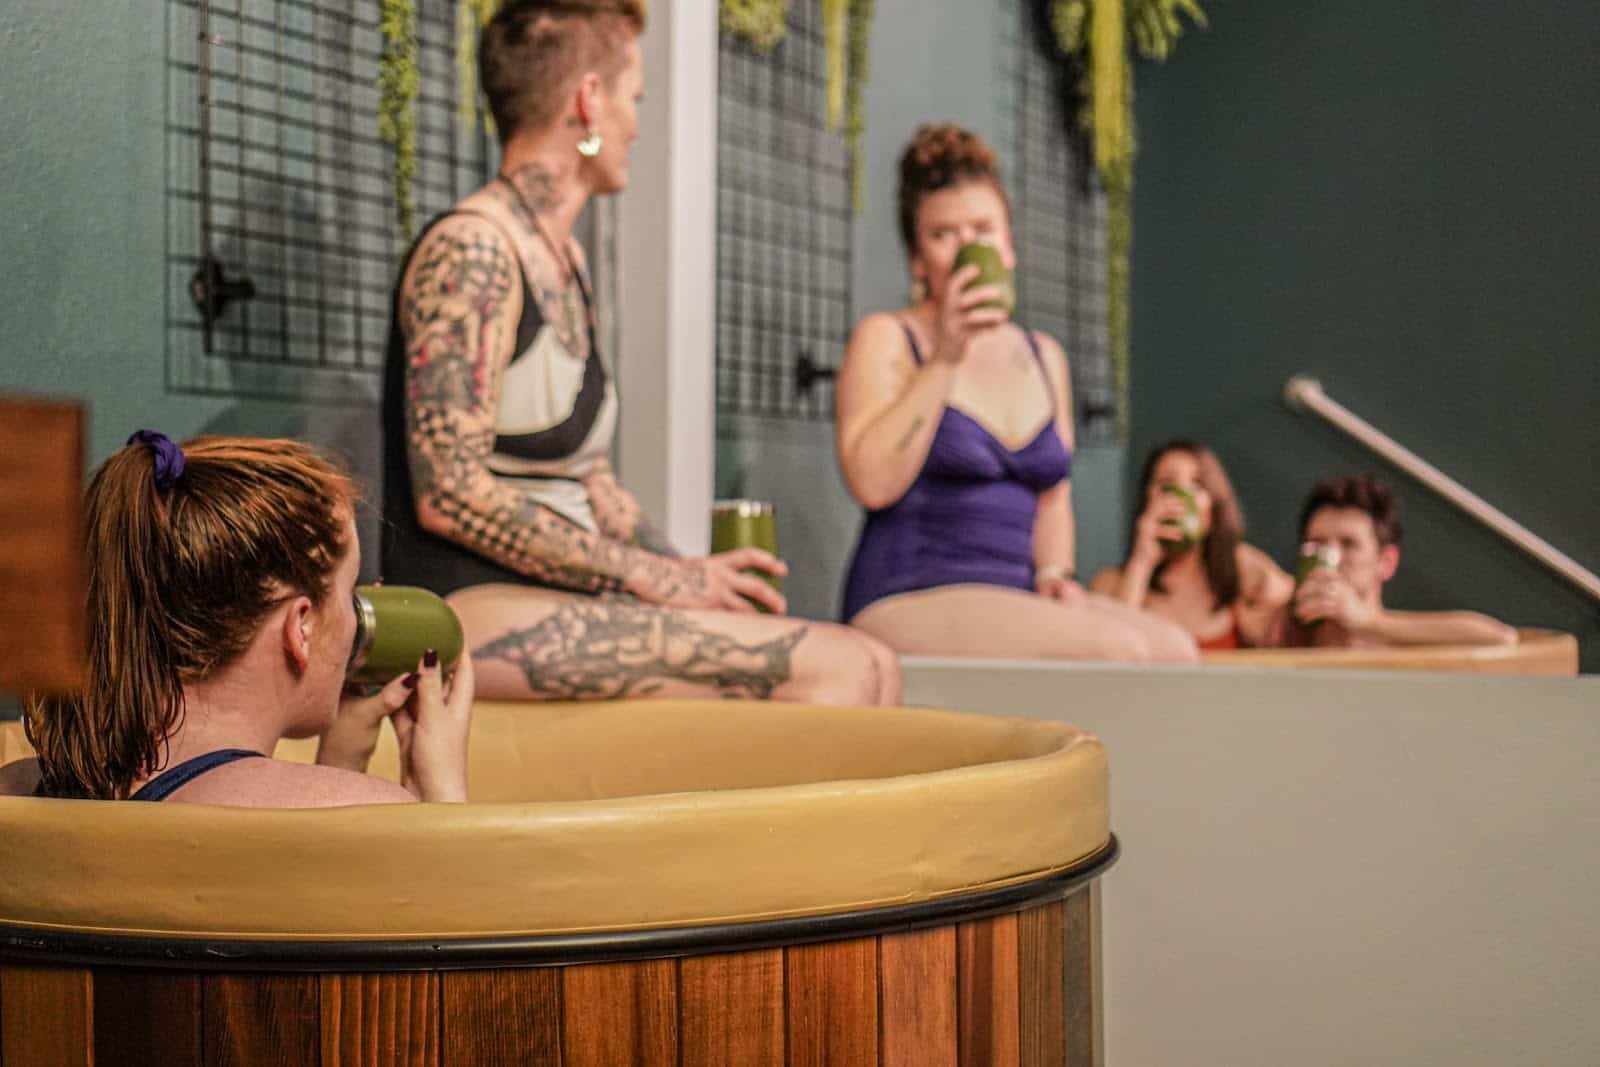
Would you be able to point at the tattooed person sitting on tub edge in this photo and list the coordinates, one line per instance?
(499, 414)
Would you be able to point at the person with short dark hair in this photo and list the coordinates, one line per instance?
(499, 416)
(1208, 580)
(1341, 604)
(954, 430)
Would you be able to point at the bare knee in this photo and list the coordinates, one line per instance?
(886, 666)
(845, 666)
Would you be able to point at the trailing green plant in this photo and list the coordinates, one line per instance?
(760, 23)
(471, 17)
(1095, 34)
(860, 36)
(398, 85)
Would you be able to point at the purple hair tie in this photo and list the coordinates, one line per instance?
(168, 456)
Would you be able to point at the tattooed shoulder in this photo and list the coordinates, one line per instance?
(464, 265)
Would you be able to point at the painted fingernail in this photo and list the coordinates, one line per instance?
(430, 658)
(410, 680)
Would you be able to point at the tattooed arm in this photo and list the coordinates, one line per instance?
(459, 306)
(886, 411)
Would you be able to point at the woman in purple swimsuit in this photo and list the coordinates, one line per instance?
(954, 431)
(220, 618)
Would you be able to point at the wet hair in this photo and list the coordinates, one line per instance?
(179, 581)
(1360, 492)
(1219, 554)
(939, 157)
(533, 51)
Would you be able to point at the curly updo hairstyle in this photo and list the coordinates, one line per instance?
(942, 156)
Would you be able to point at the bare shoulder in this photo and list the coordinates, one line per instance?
(880, 332)
(273, 783)
(18, 779)
(1260, 577)
(1055, 356)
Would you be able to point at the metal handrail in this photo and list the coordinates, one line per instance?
(1305, 394)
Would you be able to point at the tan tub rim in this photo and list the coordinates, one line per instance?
(1011, 803)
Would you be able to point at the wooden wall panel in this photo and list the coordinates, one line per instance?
(152, 1018)
(1041, 998)
(380, 1020)
(46, 1016)
(831, 998)
(261, 1020)
(917, 977)
(42, 566)
(731, 1007)
(620, 1013)
(509, 1018)
(986, 981)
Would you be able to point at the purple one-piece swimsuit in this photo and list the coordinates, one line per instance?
(969, 515)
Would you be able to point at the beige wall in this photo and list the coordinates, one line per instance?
(1335, 868)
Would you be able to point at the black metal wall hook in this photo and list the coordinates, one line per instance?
(808, 372)
(212, 290)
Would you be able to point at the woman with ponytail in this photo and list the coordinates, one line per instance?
(221, 619)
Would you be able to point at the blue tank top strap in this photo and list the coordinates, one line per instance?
(172, 779)
(911, 339)
(1038, 357)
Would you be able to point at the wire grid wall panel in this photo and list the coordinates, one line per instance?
(1058, 215)
(283, 174)
(783, 225)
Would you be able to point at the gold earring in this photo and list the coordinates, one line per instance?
(919, 290)
(589, 147)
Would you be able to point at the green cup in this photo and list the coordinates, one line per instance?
(395, 625)
(991, 271)
(746, 524)
(1314, 556)
(1179, 536)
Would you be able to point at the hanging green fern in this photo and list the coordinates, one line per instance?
(761, 23)
(860, 34)
(471, 17)
(398, 86)
(1095, 33)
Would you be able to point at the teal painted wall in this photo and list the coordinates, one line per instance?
(82, 217)
(1400, 199)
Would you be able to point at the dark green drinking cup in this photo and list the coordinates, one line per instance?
(746, 524)
(992, 270)
(395, 625)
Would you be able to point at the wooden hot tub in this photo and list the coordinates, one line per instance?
(1545, 652)
(717, 883)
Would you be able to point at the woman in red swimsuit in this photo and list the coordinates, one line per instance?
(1221, 590)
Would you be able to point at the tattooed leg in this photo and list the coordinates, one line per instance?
(537, 644)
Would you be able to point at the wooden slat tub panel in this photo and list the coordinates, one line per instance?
(1081, 961)
(986, 982)
(507, 1018)
(380, 1020)
(917, 977)
(831, 998)
(1041, 1000)
(261, 1020)
(46, 1017)
(152, 1018)
(731, 1009)
(615, 1014)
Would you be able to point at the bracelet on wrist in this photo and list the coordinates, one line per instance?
(1053, 570)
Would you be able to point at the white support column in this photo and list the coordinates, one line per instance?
(667, 277)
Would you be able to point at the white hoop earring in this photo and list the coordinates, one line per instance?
(589, 147)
